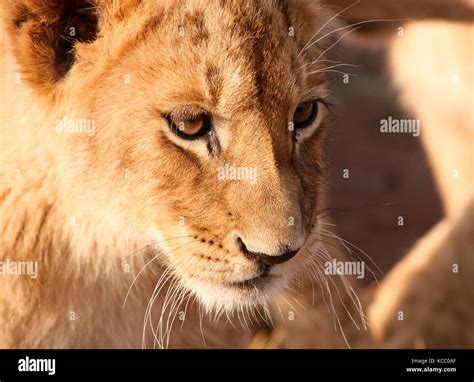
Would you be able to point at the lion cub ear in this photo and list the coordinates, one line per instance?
(42, 36)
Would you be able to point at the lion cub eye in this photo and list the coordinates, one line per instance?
(305, 114)
(189, 126)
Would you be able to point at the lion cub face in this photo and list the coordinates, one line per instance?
(209, 124)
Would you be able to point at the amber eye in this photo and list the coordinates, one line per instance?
(305, 114)
(189, 126)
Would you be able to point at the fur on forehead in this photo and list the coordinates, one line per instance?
(104, 30)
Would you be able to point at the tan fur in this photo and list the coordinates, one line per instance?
(89, 207)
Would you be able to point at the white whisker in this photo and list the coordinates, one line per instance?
(331, 67)
(324, 25)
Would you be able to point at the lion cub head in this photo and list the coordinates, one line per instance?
(209, 119)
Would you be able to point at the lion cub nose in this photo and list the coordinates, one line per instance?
(284, 254)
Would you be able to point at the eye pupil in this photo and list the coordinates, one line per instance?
(193, 126)
(189, 127)
(305, 114)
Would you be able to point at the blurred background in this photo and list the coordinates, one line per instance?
(389, 174)
(418, 63)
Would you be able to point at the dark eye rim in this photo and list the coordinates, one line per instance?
(312, 118)
(190, 137)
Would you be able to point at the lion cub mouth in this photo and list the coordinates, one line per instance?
(226, 274)
(257, 282)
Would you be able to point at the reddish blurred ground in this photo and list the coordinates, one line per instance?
(383, 168)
